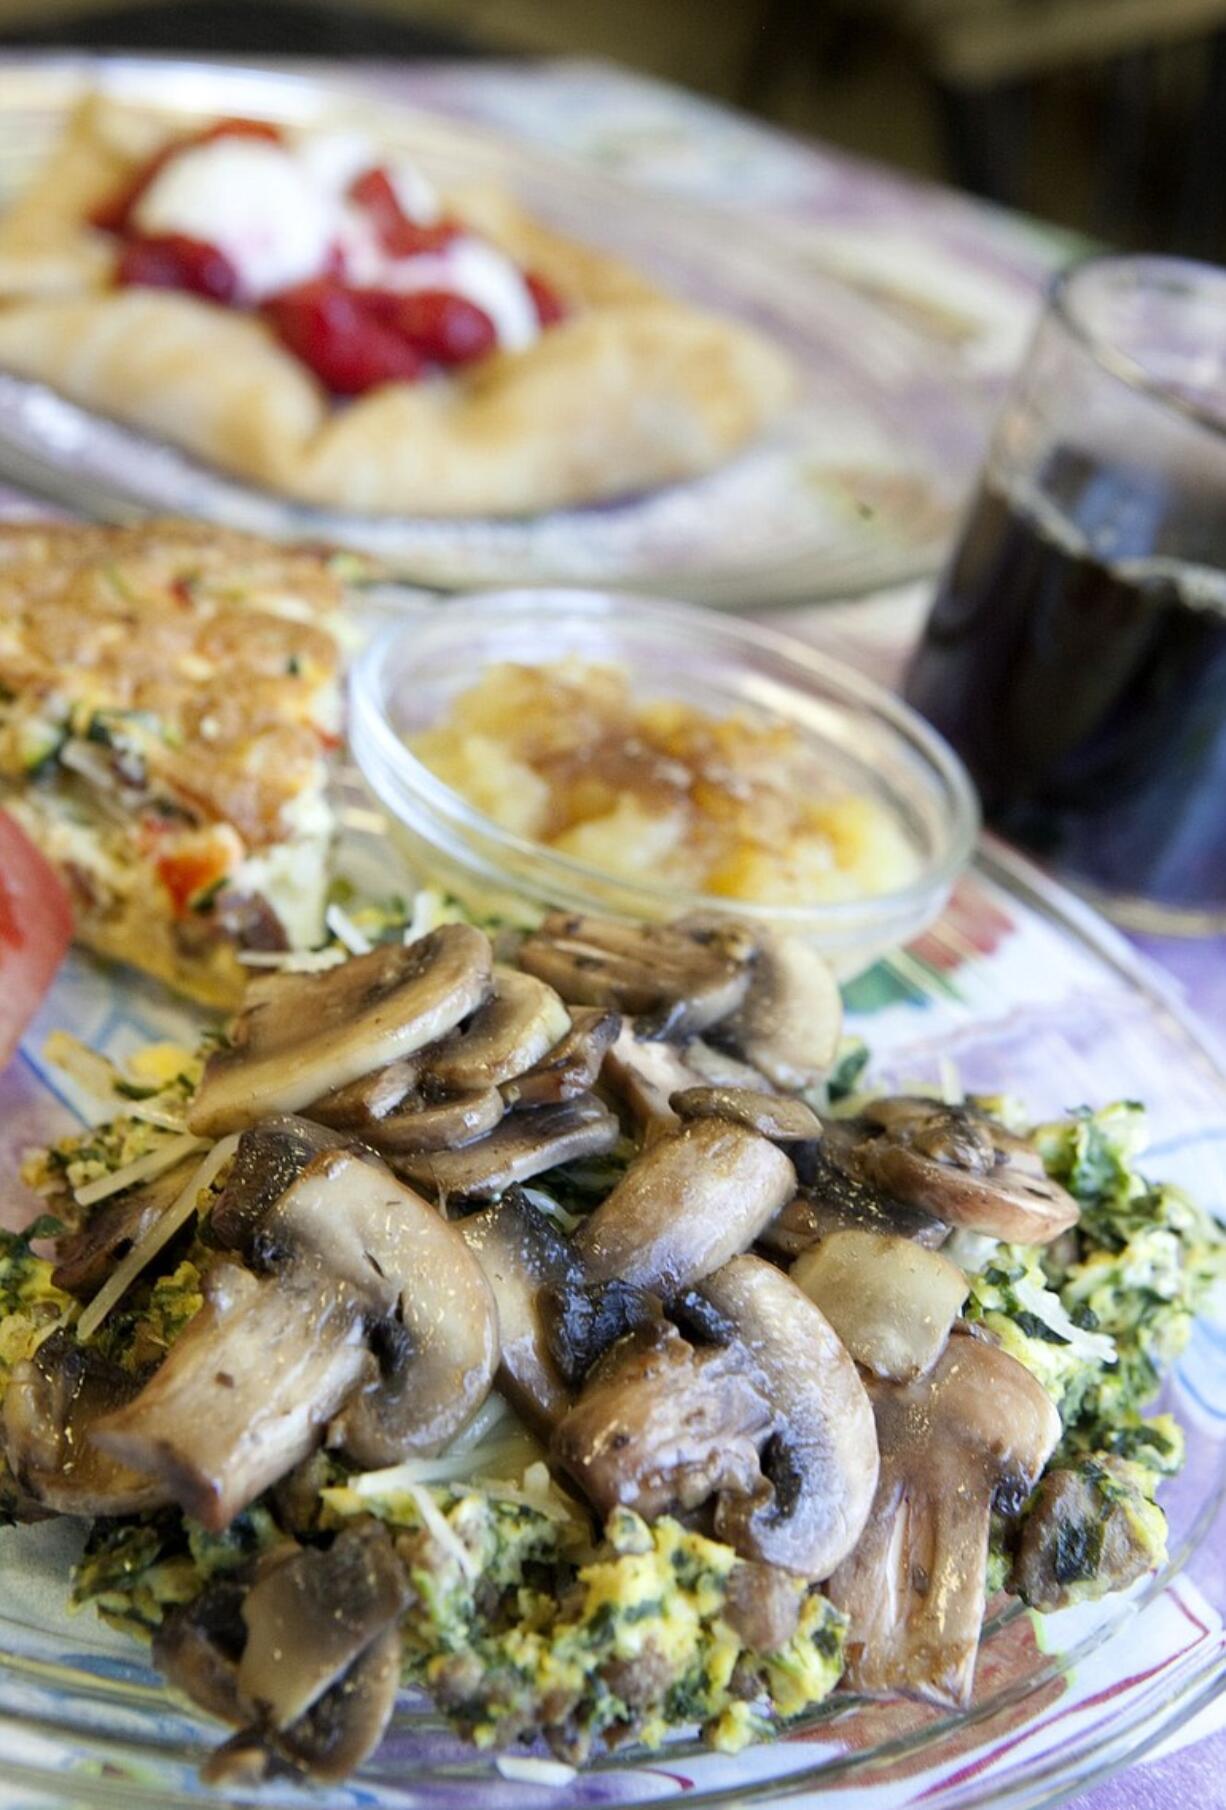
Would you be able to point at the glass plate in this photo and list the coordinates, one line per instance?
(1017, 986)
(857, 487)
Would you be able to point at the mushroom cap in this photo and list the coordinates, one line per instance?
(690, 1202)
(300, 1036)
(821, 1464)
(892, 1302)
(964, 1168)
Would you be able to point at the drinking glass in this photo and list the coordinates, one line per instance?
(1075, 655)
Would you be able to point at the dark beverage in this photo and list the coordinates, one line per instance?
(1079, 668)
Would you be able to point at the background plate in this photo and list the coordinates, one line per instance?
(859, 486)
(1017, 986)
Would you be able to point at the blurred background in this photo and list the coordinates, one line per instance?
(1105, 116)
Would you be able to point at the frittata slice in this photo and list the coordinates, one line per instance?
(169, 699)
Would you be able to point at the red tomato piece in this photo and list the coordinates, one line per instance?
(171, 261)
(550, 308)
(445, 328)
(35, 931)
(339, 335)
(188, 874)
(399, 236)
(114, 215)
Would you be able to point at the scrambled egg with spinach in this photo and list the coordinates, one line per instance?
(1099, 1318)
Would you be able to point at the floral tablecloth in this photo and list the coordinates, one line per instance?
(974, 275)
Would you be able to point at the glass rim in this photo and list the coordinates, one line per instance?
(1110, 358)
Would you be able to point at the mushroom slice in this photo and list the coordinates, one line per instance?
(420, 1125)
(689, 1202)
(585, 1318)
(789, 1023)
(520, 1252)
(245, 1391)
(762, 1605)
(429, 1311)
(961, 1166)
(303, 1035)
(523, 1145)
(976, 1427)
(833, 1200)
(660, 1427)
(644, 1073)
(517, 1025)
(309, 1617)
(362, 1103)
(269, 1159)
(820, 1465)
(891, 1302)
(52, 1402)
(334, 1736)
(86, 1257)
(198, 1645)
(573, 1064)
(780, 1117)
(688, 976)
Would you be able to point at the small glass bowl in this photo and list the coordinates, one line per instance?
(407, 678)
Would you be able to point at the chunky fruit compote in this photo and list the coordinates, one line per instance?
(351, 261)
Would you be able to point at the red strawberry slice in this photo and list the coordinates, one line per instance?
(398, 235)
(446, 328)
(550, 308)
(337, 333)
(172, 261)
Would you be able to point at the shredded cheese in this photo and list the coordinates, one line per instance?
(346, 931)
(527, 1769)
(293, 961)
(144, 1169)
(159, 1234)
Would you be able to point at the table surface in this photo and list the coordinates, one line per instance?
(978, 262)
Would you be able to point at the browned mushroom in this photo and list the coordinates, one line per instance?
(820, 1464)
(978, 1425)
(689, 1202)
(518, 1024)
(520, 1253)
(789, 1022)
(781, 1117)
(522, 1145)
(1088, 1530)
(834, 1199)
(686, 976)
(369, 1319)
(302, 1036)
(420, 1125)
(52, 1401)
(572, 1066)
(962, 1167)
(362, 1103)
(86, 1257)
(661, 1427)
(644, 1073)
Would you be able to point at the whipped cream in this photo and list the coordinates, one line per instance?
(255, 201)
(481, 273)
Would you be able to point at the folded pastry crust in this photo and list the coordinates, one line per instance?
(633, 390)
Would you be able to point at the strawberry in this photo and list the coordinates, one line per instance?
(399, 236)
(445, 328)
(171, 261)
(338, 334)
